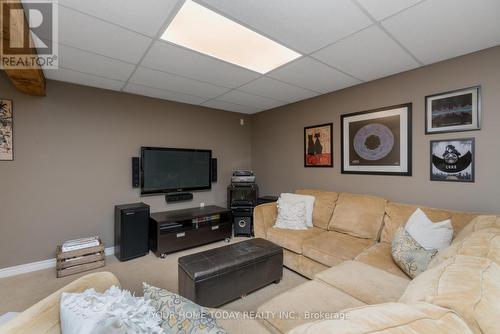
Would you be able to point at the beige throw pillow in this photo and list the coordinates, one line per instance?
(291, 214)
(428, 234)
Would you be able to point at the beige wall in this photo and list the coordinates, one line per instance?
(72, 164)
(277, 137)
(73, 149)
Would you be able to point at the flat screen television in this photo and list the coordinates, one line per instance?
(166, 170)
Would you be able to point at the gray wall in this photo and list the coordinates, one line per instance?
(72, 164)
(277, 137)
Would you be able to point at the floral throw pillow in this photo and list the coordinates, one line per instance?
(409, 255)
(180, 315)
(113, 312)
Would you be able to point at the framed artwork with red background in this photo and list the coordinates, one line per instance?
(318, 145)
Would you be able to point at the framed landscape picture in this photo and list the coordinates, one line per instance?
(454, 111)
(377, 141)
(453, 160)
(6, 130)
(318, 145)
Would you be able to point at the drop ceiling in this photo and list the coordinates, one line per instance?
(116, 45)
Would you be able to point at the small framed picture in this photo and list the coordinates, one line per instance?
(6, 130)
(318, 145)
(453, 160)
(455, 111)
(377, 141)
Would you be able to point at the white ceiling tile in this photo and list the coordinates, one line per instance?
(303, 25)
(175, 83)
(177, 60)
(162, 94)
(277, 90)
(381, 9)
(312, 74)
(88, 33)
(145, 16)
(435, 30)
(84, 79)
(223, 105)
(250, 100)
(367, 55)
(94, 64)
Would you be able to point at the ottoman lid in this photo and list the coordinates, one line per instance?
(227, 258)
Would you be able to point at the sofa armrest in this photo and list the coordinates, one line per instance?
(43, 317)
(264, 217)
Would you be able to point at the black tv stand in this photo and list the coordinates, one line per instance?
(172, 231)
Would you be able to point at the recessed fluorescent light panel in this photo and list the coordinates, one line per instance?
(201, 29)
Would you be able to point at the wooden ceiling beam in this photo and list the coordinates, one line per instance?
(26, 78)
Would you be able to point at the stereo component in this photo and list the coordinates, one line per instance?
(242, 224)
(242, 176)
(178, 197)
(205, 219)
(136, 180)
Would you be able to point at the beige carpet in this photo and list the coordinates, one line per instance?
(19, 292)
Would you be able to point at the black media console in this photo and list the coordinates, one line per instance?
(171, 231)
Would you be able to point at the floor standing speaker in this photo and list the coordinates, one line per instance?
(131, 231)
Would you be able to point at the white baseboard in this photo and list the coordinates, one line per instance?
(39, 265)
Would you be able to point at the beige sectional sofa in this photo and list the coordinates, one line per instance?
(346, 227)
(355, 287)
(347, 255)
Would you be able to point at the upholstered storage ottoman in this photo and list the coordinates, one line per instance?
(217, 276)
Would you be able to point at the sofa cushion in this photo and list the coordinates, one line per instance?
(396, 215)
(264, 217)
(301, 264)
(481, 244)
(366, 283)
(358, 215)
(488, 223)
(461, 219)
(304, 302)
(466, 284)
(292, 239)
(390, 318)
(379, 256)
(331, 248)
(323, 205)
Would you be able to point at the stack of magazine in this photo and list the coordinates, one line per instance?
(72, 245)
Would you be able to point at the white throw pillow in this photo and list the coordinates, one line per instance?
(428, 234)
(308, 201)
(112, 312)
(291, 214)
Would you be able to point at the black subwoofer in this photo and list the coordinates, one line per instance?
(242, 224)
(131, 231)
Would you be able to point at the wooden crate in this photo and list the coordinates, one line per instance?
(77, 261)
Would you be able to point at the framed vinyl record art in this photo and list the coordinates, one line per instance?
(6, 130)
(377, 141)
(455, 111)
(318, 146)
(453, 160)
